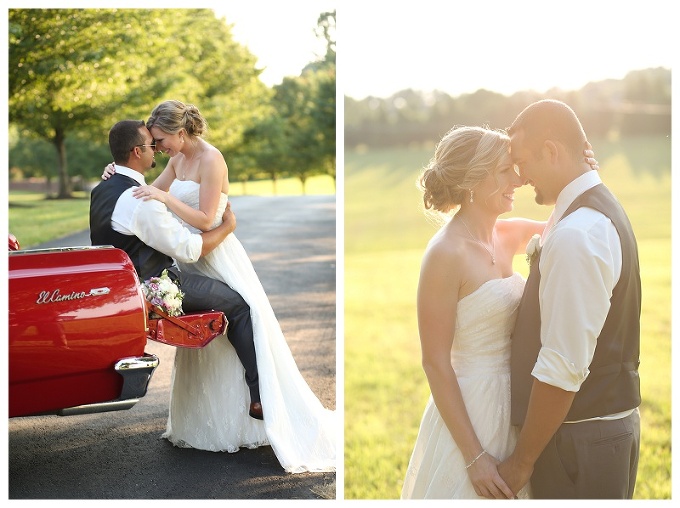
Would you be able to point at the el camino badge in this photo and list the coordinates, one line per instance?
(56, 296)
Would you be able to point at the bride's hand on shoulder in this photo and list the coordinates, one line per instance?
(147, 192)
(486, 480)
(109, 171)
(590, 156)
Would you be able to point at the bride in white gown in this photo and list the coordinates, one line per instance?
(208, 407)
(467, 301)
(480, 357)
(208, 387)
(468, 297)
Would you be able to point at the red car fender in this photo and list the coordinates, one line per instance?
(73, 314)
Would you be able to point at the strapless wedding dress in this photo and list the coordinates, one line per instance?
(209, 397)
(480, 356)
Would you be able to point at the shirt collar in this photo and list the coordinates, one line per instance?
(135, 175)
(574, 189)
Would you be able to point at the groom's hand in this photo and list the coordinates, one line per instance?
(215, 236)
(486, 480)
(229, 219)
(515, 474)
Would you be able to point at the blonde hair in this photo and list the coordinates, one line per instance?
(173, 116)
(462, 159)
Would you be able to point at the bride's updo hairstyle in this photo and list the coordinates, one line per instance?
(173, 116)
(462, 159)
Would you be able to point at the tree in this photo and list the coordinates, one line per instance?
(324, 113)
(325, 28)
(297, 135)
(264, 149)
(307, 107)
(640, 104)
(70, 68)
(77, 71)
(295, 103)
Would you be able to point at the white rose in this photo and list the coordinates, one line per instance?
(533, 245)
(533, 248)
(173, 305)
(172, 289)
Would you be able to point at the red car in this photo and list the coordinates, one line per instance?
(78, 325)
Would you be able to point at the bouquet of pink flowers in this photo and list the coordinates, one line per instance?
(164, 293)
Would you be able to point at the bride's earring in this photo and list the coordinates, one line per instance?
(472, 196)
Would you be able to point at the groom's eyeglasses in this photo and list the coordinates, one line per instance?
(153, 146)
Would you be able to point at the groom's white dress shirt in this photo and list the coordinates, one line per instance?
(153, 223)
(580, 264)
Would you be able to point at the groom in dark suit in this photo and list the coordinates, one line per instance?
(576, 342)
(152, 237)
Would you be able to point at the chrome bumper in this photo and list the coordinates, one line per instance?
(136, 373)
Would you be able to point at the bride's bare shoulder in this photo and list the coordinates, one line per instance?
(446, 247)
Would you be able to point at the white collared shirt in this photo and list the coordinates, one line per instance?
(580, 264)
(153, 223)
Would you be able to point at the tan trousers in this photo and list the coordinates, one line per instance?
(590, 460)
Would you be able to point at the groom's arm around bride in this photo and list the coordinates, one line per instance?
(151, 236)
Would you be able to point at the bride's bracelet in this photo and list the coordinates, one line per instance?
(475, 459)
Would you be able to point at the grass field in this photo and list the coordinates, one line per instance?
(34, 219)
(385, 235)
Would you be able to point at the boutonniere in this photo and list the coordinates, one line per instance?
(533, 248)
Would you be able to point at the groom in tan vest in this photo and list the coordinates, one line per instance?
(576, 343)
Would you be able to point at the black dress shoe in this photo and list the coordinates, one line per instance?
(256, 411)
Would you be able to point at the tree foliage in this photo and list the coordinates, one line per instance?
(298, 138)
(77, 71)
(639, 104)
(71, 68)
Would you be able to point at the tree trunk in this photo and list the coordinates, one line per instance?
(65, 190)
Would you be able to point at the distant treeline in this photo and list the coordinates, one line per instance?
(637, 105)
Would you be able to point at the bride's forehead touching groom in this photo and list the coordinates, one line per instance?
(548, 155)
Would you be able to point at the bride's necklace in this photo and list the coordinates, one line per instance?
(493, 243)
(189, 163)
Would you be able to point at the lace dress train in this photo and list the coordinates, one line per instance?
(208, 407)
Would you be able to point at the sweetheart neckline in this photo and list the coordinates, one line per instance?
(485, 283)
(178, 181)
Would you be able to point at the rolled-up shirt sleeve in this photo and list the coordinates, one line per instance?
(579, 269)
(156, 226)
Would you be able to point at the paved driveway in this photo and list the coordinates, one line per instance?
(291, 241)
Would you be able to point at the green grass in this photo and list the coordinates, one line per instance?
(35, 220)
(320, 184)
(385, 235)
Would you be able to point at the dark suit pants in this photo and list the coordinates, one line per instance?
(203, 293)
(590, 460)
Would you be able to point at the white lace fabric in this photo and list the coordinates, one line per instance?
(209, 399)
(481, 359)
